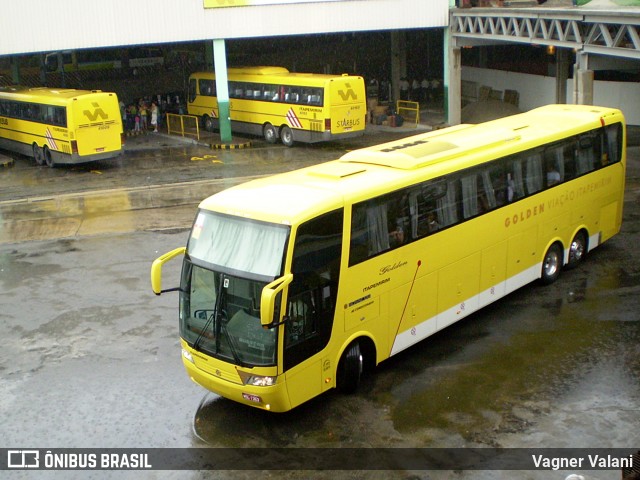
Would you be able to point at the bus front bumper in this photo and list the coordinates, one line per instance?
(272, 398)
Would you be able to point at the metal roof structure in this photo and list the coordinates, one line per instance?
(592, 31)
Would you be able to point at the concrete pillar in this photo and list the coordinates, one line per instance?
(222, 89)
(208, 56)
(452, 80)
(562, 74)
(15, 69)
(398, 62)
(582, 81)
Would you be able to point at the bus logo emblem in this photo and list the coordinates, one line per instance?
(98, 112)
(350, 93)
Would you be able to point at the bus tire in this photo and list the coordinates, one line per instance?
(577, 249)
(551, 264)
(207, 123)
(46, 154)
(350, 369)
(286, 135)
(38, 155)
(269, 133)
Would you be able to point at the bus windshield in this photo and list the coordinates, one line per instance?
(229, 261)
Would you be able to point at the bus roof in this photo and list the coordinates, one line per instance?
(55, 96)
(301, 194)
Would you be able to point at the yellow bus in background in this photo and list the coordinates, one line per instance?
(60, 126)
(277, 104)
(297, 283)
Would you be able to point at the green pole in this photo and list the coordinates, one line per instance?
(222, 89)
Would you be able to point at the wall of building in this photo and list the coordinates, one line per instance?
(536, 90)
(37, 26)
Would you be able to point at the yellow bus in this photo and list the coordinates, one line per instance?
(276, 104)
(297, 283)
(58, 126)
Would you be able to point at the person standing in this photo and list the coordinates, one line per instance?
(404, 89)
(154, 116)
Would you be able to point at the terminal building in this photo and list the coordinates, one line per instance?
(525, 52)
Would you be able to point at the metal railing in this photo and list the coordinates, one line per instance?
(184, 125)
(410, 111)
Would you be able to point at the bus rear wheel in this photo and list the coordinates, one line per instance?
(207, 123)
(552, 264)
(37, 154)
(286, 135)
(350, 369)
(46, 153)
(269, 133)
(577, 249)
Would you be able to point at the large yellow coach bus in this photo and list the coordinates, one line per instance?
(57, 126)
(297, 283)
(277, 104)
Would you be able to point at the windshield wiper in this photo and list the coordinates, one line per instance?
(232, 347)
(213, 318)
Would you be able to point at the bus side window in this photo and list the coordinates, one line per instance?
(586, 154)
(313, 291)
(515, 183)
(613, 134)
(554, 162)
(533, 172)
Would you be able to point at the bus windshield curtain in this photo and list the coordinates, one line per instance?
(240, 245)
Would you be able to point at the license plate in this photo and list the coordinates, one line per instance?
(251, 398)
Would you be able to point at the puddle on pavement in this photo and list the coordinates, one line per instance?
(576, 334)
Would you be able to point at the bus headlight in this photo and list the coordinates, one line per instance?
(258, 380)
(187, 356)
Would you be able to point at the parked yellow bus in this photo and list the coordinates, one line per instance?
(57, 126)
(276, 104)
(297, 283)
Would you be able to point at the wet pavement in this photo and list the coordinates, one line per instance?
(91, 358)
(156, 171)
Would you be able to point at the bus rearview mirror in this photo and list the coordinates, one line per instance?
(269, 310)
(156, 269)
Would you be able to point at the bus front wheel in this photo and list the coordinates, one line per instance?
(350, 369)
(286, 135)
(577, 249)
(269, 133)
(552, 264)
(38, 155)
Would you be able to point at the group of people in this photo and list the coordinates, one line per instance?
(148, 113)
(140, 116)
(425, 90)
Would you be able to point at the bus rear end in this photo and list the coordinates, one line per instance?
(95, 127)
(347, 107)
